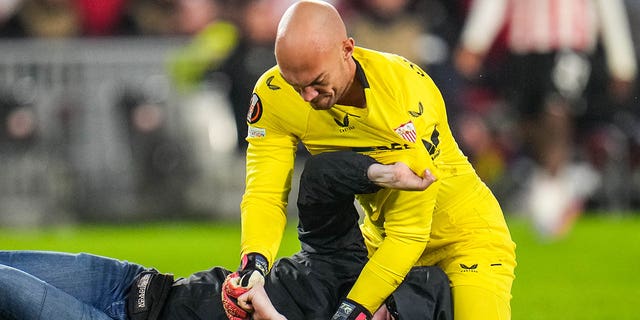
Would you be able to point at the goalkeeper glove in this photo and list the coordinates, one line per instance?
(351, 310)
(251, 272)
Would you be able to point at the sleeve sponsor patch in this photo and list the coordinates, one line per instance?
(255, 109)
(255, 132)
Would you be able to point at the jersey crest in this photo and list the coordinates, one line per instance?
(407, 131)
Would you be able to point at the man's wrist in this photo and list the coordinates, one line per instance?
(375, 172)
(254, 261)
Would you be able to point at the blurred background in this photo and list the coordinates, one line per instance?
(134, 110)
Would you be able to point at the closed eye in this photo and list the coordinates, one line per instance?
(318, 81)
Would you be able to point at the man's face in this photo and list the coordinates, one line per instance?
(321, 82)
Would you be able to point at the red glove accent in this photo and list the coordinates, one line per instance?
(231, 290)
(252, 269)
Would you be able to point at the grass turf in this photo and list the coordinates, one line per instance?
(590, 274)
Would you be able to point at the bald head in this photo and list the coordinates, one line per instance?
(308, 27)
(314, 53)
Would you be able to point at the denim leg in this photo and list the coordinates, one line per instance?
(25, 297)
(98, 282)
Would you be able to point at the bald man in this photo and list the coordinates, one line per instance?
(331, 95)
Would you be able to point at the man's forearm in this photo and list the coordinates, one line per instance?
(399, 176)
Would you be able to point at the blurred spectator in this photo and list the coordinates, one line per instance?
(421, 31)
(7, 9)
(253, 54)
(215, 73)
(150, 18)
(607, 133)
(43, 18)
(206, 114)
(551, 50)
(375, 22)
(101, 18)
(193, 16)
(161, 165)
(19, 125)
(213, 37)
(234, 50)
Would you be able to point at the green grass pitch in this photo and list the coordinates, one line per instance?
(593, 273)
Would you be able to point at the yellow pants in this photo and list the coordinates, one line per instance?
(470, 241)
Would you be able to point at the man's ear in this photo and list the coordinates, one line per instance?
(347, 48)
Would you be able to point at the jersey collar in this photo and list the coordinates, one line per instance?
(360, 74)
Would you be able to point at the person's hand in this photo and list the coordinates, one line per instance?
(383, 314)
(258, 303)
(399, 176)
(467, 63)
(620, 90)
(251, 273)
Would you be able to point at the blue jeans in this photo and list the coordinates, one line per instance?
(52, 285)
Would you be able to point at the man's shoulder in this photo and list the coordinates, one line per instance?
(377, 56)
(268, 77)
(381, 63)
(275, 103)
(272, 84)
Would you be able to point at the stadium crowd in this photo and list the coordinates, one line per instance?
(574, 144)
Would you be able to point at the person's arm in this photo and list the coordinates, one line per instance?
(397, 223)
(328, 220)
(329, 179)
(618, 45)
(269, 167)
(482, 25)
(399, 176)
(341, 174)
(407, 224)
(382, 314)
(264, 204)
(263, 215)
(258, 303)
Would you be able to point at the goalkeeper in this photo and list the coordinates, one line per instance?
(329, 95)
(308, 285)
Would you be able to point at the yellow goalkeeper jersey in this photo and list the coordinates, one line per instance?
(404, 120)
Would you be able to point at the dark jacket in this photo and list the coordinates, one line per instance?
(311, 283)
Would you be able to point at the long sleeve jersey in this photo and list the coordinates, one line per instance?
(404, 120)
